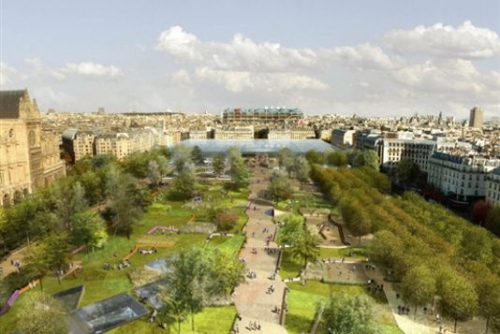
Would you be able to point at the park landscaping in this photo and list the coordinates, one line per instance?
(101, 284)
(406, 230)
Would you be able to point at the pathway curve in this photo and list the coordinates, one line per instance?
(255, 303)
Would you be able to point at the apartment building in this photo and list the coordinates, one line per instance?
(342, 137)
(291, 133)
(493, 186)
(462, 178)
(234, 133)
(417, 150)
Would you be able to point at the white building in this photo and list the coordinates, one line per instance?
(342, 137)
(417, 150)
(461, 178)
(493, 186)
(234, 133)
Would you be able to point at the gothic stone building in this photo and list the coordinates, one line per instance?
(29, 158)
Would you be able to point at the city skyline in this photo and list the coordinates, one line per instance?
(384, 59)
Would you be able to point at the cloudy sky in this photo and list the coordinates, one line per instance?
(384, 57)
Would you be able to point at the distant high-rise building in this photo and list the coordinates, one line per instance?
(476, 118)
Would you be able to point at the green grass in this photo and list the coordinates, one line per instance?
(289, 267)
(232, 245)
(213, 320)
(357, 253)
(302, 301)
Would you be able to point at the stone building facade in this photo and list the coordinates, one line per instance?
(29, 156)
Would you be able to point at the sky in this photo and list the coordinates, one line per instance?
(364, 57)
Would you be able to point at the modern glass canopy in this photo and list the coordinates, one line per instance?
(211, 147)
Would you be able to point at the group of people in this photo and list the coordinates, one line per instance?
(123, 264)
(270, 250)
(251, 274)
(148, 251)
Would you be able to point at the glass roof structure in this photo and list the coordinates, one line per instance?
(211, 147)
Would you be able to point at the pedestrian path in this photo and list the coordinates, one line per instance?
(259, 299)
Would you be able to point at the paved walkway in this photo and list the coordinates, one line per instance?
(255, 303)
(255, 306)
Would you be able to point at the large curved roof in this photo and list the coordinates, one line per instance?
(258, 146)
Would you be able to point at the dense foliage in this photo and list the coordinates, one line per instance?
(414, 238)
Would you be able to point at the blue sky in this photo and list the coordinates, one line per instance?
(385, 57)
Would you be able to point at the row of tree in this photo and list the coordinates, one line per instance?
(428, 249)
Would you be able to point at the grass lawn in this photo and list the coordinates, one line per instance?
(356, 253)
(101, 284)
(213, 320)
(289, 266)
(302, 301)
(232, 245)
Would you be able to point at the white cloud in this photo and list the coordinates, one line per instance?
(41, 69)
(363, 57)
(241, 54)
(93, 70)
(465, 41)
(7, 73)
(237, 81)
(181, 77)
(454, 75)
(179, 43)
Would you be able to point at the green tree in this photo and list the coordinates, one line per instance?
(89, 229)
(370, 159)
(302, 169)
(489, 298)
(154, 172)
(127, 202)
(184, 184)
(279, 186)
(337, 159)
(46, 316)
(70, 198)
(225, 219)
(418, 286)
(387, 248)
(189, 279)
(47, 255)
(286, 159)
(197, 155)
(172, 312)
(492, 222)
(94, 187)
(305, 247)
(458, 297)
(219, 164)
(293, 226)
(239, 173)
(181, 157)
(347, 314)
(227, 273)
(360, 224)
(57, 247)
(102, 160)
(137, 165)
(315, 157)
(477, 245)
(407, 171)
(199, 275)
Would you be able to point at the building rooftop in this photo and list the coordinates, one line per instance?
(9, 103)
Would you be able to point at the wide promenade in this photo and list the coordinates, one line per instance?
(258, 299)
